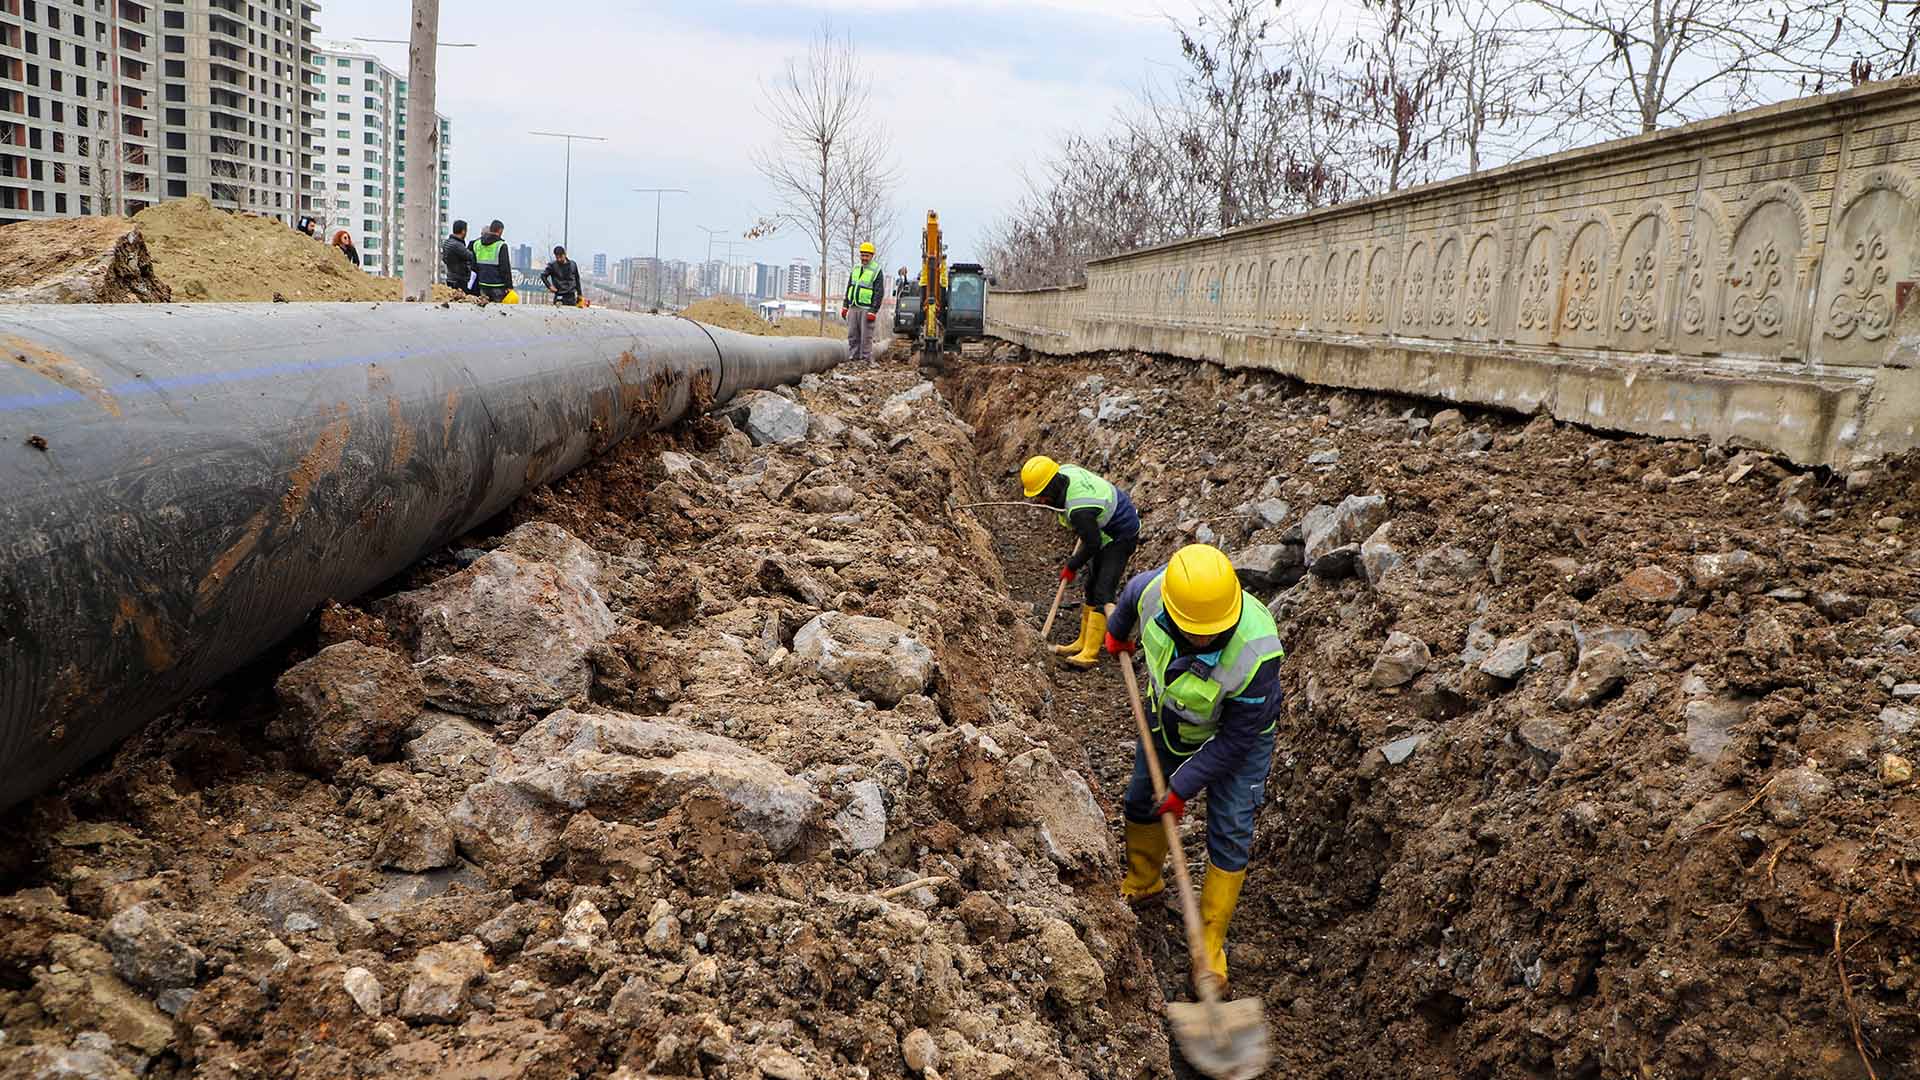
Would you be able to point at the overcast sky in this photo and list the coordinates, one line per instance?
(969, 91)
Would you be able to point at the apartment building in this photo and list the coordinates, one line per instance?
(358, 181)
(109, 106)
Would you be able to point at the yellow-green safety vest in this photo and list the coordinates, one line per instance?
(860, 285)
(486, 259)
(1088, 490)
(1196, 696)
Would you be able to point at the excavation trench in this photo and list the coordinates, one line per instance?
(626, 783)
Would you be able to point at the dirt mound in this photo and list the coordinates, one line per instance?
(724, 761)
(89, 260)
(731, 314)
(1596, 758)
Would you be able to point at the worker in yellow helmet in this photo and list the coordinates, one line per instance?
(1108, 527)
(1212, 656)
(866, 287)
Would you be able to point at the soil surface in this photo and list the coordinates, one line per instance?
(731, 314)
(1596, 757)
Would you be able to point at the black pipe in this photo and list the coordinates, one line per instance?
(180, 486)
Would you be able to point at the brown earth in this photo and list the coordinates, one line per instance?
(198, 253)
(388, 850)
(731, 314)
(1646, 880)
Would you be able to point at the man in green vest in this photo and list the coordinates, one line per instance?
(492, 266)
(1212, 655)
(865, 286)
(1102, 516)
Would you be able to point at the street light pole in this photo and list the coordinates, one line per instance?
(657, 193)
(566, 203)
(711, 233)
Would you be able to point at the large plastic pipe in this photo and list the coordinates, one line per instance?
(180, 486)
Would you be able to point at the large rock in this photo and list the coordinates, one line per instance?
(1448, 562)
(470, 687)
(619, 767)
(1401, 659)
(1378, 555)
(453, 747)
(1061, 805)
(437, 989)
(1352, 521)
(414, 837)
(1270, 565)
(1601, 671)
(1265, 513)
(1653, 585)
(1073, 975)
(768, 418)
(862, 823)
(345, 701)
(1740, 569)
(294, 905)
(880, 660)
(80, 990)
(531, 617)
(545, 542)
(146, 953)
(1508, 659)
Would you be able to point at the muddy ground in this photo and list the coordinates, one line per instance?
(736, 754)
(726, 756)
(1594, 747)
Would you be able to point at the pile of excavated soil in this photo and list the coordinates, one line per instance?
(733, 315)
(718, 758)
(1596, 754)
(87, 260)
(198, 253)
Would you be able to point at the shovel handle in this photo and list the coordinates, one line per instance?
(1189, 907)
(1046, 628)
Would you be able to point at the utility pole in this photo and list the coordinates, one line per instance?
(657, 193)
(566, 200)
(423, 152)
(711, 233)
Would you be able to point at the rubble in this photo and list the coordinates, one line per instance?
(1401, 658)
(350, 700)
(880, 660)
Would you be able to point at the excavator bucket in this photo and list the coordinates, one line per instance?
(1226, 1040)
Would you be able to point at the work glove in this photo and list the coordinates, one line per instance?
(1066, 573)
(871, 316)
(1172, 804)
(1117, 646)
(843, 313)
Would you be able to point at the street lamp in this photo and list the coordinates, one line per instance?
(566, 205)
(657, 192)
(711, 233)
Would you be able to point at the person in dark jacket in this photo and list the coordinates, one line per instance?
(1212, 655)
(492, 265)
(345, 243)
(562, 278)
(456, 259)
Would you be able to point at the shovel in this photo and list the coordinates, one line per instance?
(1046, 628)
(1226, 1040)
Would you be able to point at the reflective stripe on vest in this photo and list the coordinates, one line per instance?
(860, 285)
(1195, 700)
(1086, 490)
(486, 259)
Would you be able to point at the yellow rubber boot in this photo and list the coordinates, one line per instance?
(1219, 895)
(1146, 860)
(1089, 653)
(1079, 643)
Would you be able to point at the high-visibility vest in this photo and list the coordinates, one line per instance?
(1196, 696)
(486, 260)
(1087, 490)
(860, 285)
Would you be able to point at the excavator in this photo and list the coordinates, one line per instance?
(945, 314)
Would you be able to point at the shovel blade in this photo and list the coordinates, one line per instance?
(1227, 1041)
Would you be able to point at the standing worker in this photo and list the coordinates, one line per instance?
(865, 287)
(456, 259)
(492, 265)
(562, 278)
(1104, 519)
(1213, 698)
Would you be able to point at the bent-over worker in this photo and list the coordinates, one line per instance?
(1102, 516)
(1212, 656)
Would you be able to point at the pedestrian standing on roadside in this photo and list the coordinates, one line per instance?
(492, 265)
(562, 278)
(456, 259)
(865, 289)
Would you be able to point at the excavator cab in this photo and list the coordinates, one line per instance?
(906, 311)
(966, 302)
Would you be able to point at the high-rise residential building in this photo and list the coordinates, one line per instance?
(600, 264)
(358, 182)
(800, 278)
(523, 258)
(769, 281)
(113, 105)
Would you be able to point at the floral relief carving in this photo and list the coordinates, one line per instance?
(1355, 288)
(1377, 279)
(1414, 299)
(1693, 304)
(1536, 294)
(1480, 296)
(1757, 306)
(1862, 302)
(1445, 288)
(1637, 307)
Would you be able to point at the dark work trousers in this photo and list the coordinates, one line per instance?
(1107, 571)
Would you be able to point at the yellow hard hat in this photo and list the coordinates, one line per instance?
(512, 297)
(1201, 591)
(866, 248)
(1037, 473)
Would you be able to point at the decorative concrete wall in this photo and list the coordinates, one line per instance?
(1748, 278)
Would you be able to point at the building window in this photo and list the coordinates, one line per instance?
(59, 202)
(176, 189)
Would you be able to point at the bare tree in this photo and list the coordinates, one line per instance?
(815, 106)
(1403, 68)
(1508, 87)
(1655, 62)
(867, 176)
